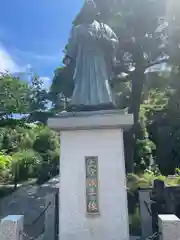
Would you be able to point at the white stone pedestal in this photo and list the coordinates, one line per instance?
(98, 134)
(169, 227)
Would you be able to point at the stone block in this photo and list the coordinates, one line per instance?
(145, 208)
(11, 227)
(169, 227)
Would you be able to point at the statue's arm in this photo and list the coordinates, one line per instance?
(110, 36)
(108, 40)
(111, 43)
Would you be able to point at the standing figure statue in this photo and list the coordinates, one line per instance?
(92, 46)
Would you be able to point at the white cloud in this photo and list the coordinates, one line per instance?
(6, 61)
(46, 82)
(38, 57)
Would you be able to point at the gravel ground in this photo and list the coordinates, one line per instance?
(29, 201)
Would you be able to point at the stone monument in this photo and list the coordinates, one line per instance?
(93, 197)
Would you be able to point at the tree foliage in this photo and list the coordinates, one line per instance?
(25, 146)
(25, 150)
(13, 95)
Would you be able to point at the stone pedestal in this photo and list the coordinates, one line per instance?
(169, 227)
(96, 135)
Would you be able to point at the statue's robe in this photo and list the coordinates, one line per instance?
(92, 47)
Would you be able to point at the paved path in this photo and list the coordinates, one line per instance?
(29, 201)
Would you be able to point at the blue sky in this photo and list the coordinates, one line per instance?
(33, 34)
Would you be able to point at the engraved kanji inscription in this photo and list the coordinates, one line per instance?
(92, 185)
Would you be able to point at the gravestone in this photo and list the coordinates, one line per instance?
(158, 202)
(93, 197)
(169, 227)
(145, 212)
(160, 199)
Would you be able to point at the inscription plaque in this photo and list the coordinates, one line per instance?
(92, 203)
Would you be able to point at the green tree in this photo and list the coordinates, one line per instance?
(13, 95)
(38, 101)
(38, 97)
(142, 45)
(62, 87)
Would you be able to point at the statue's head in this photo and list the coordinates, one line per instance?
(90, 5)
(89, 11)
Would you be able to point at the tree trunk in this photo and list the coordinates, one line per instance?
(129, 151)
(138, 78)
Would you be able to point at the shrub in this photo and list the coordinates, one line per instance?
(135, 223)
(5, 161)
(46, 140)
(143, 154)
(26, 138)
(26, 164)
(50, 165)
(14, 139)
(5, 165)
(47, 145)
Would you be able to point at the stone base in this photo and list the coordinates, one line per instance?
(98, 134)
(107, 106)
(109, 119)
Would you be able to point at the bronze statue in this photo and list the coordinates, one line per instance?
(92, 46)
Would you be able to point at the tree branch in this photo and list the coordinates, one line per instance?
(159, 61)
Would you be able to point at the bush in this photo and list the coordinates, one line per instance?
(44, 173)
(46, 140)
(34, 150)
(50, 165)
(135, 223)
(143, 154)
(26, 138)
(47, 145)
(5, 161)
(5, 165)
(14, 139)
(26, 164)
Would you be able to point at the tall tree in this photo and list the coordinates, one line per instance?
(38, 97)
(38, 101)
(13, 95)
(141, 28)
(62, 87)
